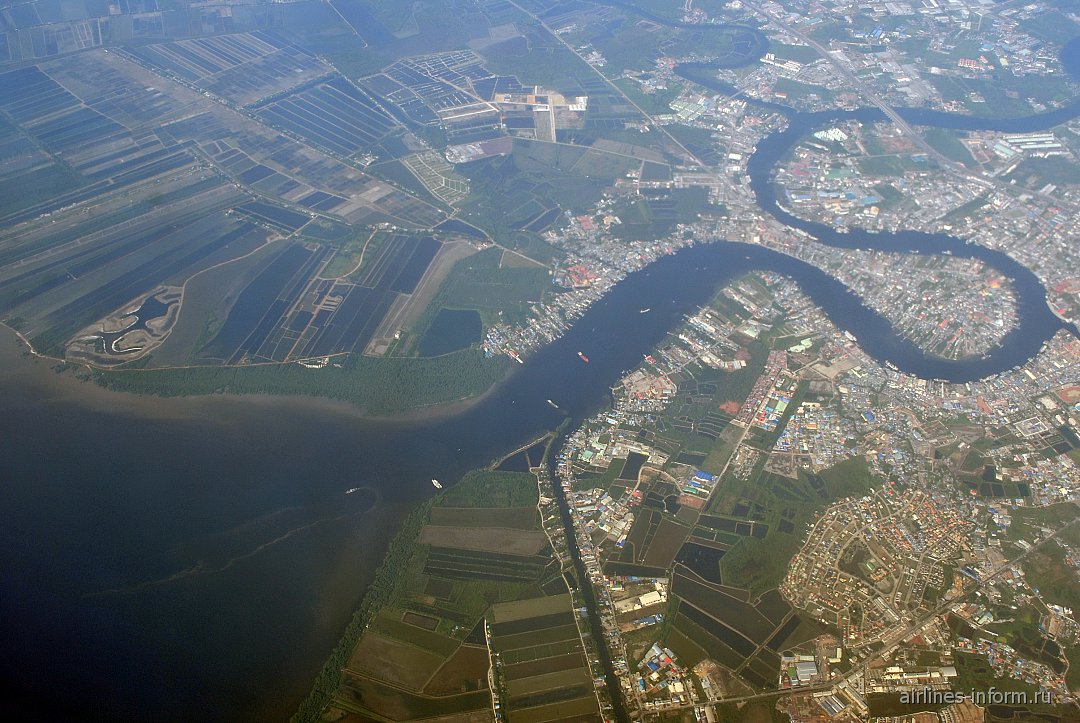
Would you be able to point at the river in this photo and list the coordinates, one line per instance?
(196, 559)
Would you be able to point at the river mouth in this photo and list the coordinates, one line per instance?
(199, 557)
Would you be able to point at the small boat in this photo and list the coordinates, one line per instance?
(350, 491)
(553, 404)
(435, 484)
(583, 357)
(646, 310)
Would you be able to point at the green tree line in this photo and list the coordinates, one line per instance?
(389, 575)
(376, 385)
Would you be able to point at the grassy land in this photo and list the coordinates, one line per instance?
(949, 145)
(798, 53)
(1048, 570)
(851, 478)
(965, 210)
(1052, 26)
(1004, 95)
(1027, 521)
(346, 259)
(498, 292)
(492, 489)
(891, 165)
(1037, 172)
(796, 90)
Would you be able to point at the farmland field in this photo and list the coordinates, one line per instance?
(489, 539)
(665, 543)
(394, 661)
(545, 676)
(522, 518)
(463, 671)
(362, 693)
(334, 115)
(180, 182)
(423, 652)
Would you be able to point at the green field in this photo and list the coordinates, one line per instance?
(947, 142)
(1037, 172)
(1047, 569)
(493, 489)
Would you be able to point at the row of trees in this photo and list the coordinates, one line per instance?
(377, 385)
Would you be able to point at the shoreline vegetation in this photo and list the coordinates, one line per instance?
(379, 387)
(434, 597)
(380, 592)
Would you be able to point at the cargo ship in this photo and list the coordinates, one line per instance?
(645, 310)
(584, 358)
(553, 404)
(435, 484)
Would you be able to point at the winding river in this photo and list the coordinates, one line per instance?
(198, 558)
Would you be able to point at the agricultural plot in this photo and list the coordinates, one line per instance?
(241, 68)
(542, 671)
(423, 654)
(485, 539)
(254, 155)
(100, 153)
(521, 518)
(438, 176)
(429, 88)
(283, 220)
(526, 191)
(252, 330)
(367, 695)
(737, 551)
(287, 313)
(393, 661)
(160, 165)
(665, 543)
(334, 115)
(42, 29)
(46, 41)
(62, 276)
(464, 671)
(274, 165)
(457, 564)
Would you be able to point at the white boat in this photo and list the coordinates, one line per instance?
(553, 404)
(645, 311)
(350, 491)
(436, 484)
